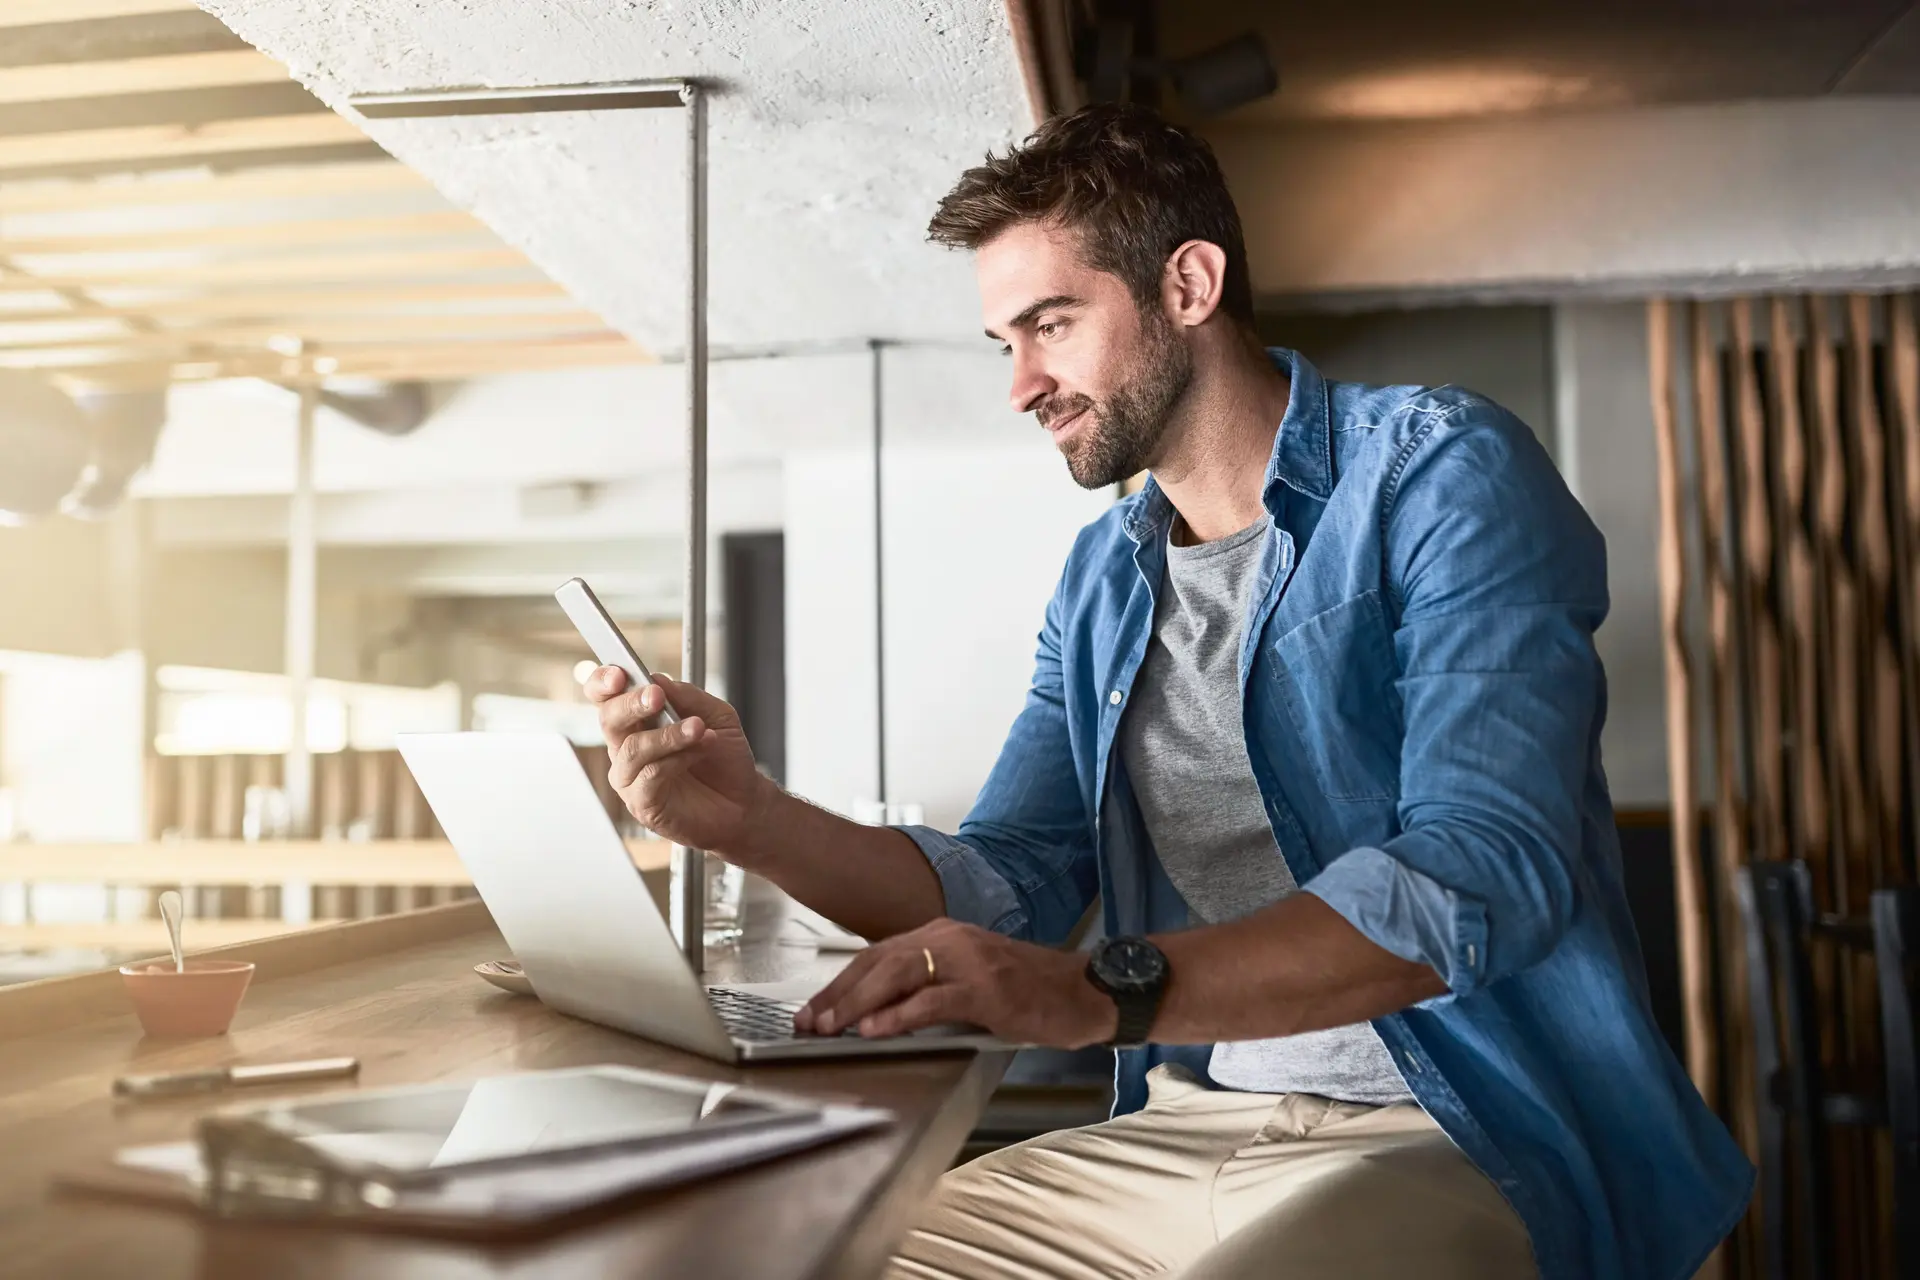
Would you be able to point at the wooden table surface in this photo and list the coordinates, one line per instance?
(398, 994)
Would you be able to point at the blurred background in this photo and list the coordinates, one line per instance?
(303, 417)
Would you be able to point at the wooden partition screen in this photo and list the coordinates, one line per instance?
(358, 795)
(1789, 468)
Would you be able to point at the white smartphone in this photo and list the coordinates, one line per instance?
(596, 627)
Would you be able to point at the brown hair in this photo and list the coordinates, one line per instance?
(1133, 186)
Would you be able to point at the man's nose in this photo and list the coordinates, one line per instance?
(1031, 384)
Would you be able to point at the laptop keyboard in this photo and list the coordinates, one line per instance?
(754, 1018)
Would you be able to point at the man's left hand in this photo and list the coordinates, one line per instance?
(1020, 992)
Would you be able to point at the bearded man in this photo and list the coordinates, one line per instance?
(1316, 716)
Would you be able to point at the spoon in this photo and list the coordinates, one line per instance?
(170, 912)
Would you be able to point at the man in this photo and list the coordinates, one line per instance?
(1317, 717)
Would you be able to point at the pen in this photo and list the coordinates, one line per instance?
(222, 1077)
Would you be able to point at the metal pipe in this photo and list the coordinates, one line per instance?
(688, 907)
(690, 884)
(302, 614)
(879, 590)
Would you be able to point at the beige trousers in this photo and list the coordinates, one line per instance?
(1210, 1185)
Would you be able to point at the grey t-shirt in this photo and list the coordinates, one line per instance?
(1184, 745)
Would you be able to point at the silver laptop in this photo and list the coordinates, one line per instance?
(569, 901)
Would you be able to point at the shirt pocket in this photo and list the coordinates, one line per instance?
(1337, 674)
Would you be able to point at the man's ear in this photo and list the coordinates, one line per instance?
(1196, 274)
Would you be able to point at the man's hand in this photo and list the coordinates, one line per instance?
(693, 782)
(1020, 992)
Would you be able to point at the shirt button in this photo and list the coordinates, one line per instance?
(1114, 697)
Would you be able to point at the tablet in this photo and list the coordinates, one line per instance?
(503, 1158)
(424, 1132)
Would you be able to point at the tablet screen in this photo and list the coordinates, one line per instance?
(505, 1117)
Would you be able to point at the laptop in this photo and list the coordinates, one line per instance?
(552, 869)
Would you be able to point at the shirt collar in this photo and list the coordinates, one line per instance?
(1302, 449)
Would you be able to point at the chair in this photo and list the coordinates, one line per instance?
(1896, 950)
(1796, 1105)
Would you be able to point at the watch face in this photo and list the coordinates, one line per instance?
(1131, 962)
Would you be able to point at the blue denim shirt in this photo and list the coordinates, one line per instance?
(1422, 706)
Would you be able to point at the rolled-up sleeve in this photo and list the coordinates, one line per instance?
(1408, 913)
(1499, 579)
(976, 892)
(1022, 862)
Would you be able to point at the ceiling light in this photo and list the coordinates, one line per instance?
(326, 364)
(285, 344)
(45, 442)
(126, 428)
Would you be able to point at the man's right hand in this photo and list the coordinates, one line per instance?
(694, 782)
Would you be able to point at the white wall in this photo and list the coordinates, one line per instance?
(72, 760)
(55, 582)
(1748, 194)
(979, 515)
(71, 751)
(831, 694)
(1605, 424)
(975, 541)
(975, 545)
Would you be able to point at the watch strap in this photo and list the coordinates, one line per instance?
(1137, 1010)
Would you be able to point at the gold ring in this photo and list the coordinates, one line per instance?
(932, 975)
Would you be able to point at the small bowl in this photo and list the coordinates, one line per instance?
(197, 1001)
(506, 975)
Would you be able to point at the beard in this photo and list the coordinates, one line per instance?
(1126, 428)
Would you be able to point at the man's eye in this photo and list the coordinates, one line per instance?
(1006, 350)
(1048, 329)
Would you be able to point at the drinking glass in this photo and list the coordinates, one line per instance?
(266, 814)
(722, 906)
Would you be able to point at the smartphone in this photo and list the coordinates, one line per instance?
(597, 628)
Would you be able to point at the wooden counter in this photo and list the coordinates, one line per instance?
(397, 993)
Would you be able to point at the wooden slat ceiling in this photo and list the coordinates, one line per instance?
(173, 207)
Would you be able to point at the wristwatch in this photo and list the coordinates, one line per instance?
(1133, 973)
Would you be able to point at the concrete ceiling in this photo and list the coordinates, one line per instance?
(835, 129)
(1414, 59)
